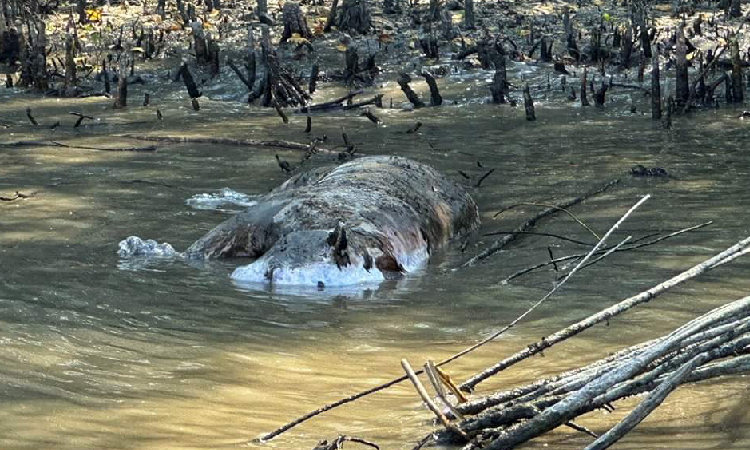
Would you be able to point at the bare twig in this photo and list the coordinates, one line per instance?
(557, 236)
(149, 148)
(500, 243)
(572, 216)
(625, 248)
(226, 141)
(428, 401)
(437, 384)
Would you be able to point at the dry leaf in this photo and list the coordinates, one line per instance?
(93, 15)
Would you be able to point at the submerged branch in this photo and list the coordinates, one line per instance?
(149, 148)
(226, 141)
(624, 248)
(505, 240)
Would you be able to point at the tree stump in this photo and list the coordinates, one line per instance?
(435, 98)
(545, 50)
(355, 16)
(391, 7)
(81, 10)
(499, 86)
(10, 47)
(121, 98)
(528, 104)
(469, 14)
(655, 87)
(681, 72)
(737, 86)
(584, 99)
(294, 22)
(734, 9)
(202, 53)
(403, 82)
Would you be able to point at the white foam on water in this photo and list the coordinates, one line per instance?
(307, 275)
(219, 199)
(324, 271)
(134, 246)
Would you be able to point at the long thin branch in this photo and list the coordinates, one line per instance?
(505, 240)
(546, 205)
(428, 401)
(149, 148)
(623, 249)
(226, 141)
(557, 236)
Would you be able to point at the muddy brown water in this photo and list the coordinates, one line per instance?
(101, 353)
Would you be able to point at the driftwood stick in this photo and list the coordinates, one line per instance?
(239, 73)
(483, 177)
(607, 252)
(557, 236)
(502, 242)
(428, 401)
(572, 216)
(17, 196)
(149, 148)
(377, 101)
(607, 313)
(226, 141)
(632, 246)
(327, 106)
(338, 443)
(437, 384)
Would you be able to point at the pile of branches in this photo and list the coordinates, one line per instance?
(715, 344)
(712, 345)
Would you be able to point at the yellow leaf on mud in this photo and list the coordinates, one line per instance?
(466, 41)
(93, 15)
(341, 47)
(297, 39)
